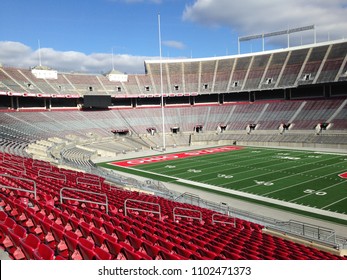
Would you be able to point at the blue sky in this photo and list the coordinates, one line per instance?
(79, 35)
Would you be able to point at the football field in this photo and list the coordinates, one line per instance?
(314, 179)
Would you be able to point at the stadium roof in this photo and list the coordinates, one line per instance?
(165, 60)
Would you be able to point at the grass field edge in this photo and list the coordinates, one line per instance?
(167, 179)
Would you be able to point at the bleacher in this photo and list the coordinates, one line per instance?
(21, 132)
(61, 214)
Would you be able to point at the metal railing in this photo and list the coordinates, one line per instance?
(88, 182)
(126, 207)
(215, 221)
(175, 215)
(82, 199)
(307, 231)
(20, 189)
(52, 175)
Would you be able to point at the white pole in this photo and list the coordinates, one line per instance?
(112, 60)
(38, 41)
(238, 45)
(161, 86)
(263, 42)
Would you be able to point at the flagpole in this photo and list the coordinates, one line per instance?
(161, 87)
(38, 41)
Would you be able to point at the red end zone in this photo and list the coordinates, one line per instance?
(195, 153)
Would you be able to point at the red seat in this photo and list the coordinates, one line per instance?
(166, 244)
(150, 237)
(97, 221)
(4, 227)
(87, 217)
(108, 227)
(60, 257)
(166, 255)
(134, 241)
(86, 249)
(58, 232)
(85, 229)
(3, 216)
(28, 245)
(98, 236)
(17, 233)
(65, 217)
(186, 253)
(113, 247)
(101, 254)
(71, 240)
(132, 255)
(74, 222)
(121, 234)
(208, 254)
(151, 250)
(43, 252)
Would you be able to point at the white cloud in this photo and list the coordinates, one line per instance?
(174, 44)
(19, 55)
(248, 17)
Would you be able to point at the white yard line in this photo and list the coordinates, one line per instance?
(323, 189)
(334, 203)
(291, 175)
(255, 197)
(269, 200)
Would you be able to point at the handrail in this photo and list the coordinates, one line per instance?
(223, 222)
(126, 208)
(189, 195)
(51, 175)
(12, 160)
(20, 189)
(308, 231)
(84, 200)
(40, 164)
(23, 171)
(185, 216)
(88, 181)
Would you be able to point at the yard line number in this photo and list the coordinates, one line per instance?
(194, 170)
(225, 176)
(263, 183)
(310, 191)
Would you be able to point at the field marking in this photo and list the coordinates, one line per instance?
(257, 176)
(257, 158)
(218, 156)
(291, 175)
(239, 166)
(333, 203)
(304, 182)
(323, 189)
(267, 199)
(177, 155)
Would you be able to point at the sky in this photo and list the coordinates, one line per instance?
(94, 36)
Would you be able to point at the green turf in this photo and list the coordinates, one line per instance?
(300, 177)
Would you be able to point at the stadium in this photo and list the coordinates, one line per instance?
(240, 157)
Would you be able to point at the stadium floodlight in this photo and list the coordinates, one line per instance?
(276, 33)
